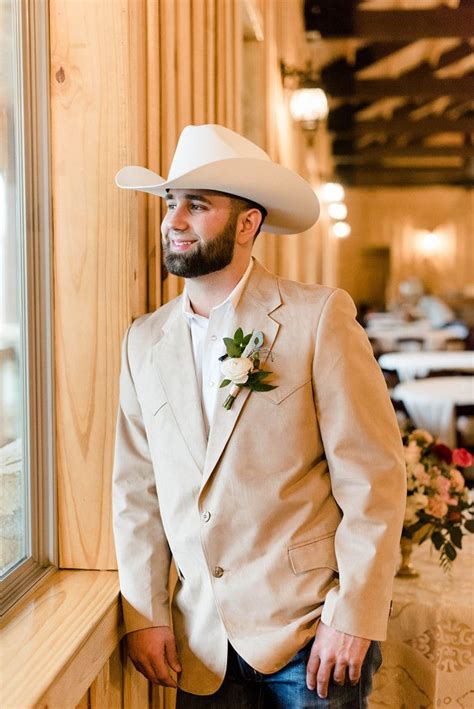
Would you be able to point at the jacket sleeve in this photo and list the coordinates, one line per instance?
(363, 447)
(143, 554)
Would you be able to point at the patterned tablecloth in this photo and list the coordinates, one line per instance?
(428, 654)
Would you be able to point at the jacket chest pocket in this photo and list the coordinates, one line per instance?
(283, 391)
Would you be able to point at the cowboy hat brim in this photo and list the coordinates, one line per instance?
(291, 203)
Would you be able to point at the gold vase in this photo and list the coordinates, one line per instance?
(406, 570)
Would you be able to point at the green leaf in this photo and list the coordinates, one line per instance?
(456, 536)
(257, 376)
(246, 339)
(469, 525)
(450, 551)
(233, 350)
(224, 383)
(239, 336)
(259, 386)
(437, 539)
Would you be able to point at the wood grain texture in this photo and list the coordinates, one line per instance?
(99, 256)
(63, 634)
(107, 689)
(136, 689)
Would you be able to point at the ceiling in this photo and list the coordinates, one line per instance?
(400, 81)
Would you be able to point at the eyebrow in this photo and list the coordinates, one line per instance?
(190, 196)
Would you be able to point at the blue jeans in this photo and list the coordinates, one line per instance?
(245, 688)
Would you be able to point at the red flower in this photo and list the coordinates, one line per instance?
(462, 457)
(443, 452)
(454, 516)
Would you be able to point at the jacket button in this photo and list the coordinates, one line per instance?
(206, 516)
(218, 571)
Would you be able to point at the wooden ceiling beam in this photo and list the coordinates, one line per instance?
(366, 56)
(338, 19)
(345, 152)
(425, 126)
(346, 85)
(402, 177)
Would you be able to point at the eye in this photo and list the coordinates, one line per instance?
(197, 206)
(170, 206)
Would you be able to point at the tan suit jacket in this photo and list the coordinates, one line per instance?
(291, 511)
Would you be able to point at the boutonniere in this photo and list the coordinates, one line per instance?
(241, 365)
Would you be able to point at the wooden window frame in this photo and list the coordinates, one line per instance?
(32, 22)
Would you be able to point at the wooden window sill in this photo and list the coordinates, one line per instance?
(56, 641)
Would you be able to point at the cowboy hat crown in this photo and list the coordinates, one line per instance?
(216, 158)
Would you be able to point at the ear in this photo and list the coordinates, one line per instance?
(247, 225)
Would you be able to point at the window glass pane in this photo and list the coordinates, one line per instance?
(14, 525)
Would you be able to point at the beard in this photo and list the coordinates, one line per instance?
(204, 256)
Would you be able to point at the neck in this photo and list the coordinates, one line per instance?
(205, 292)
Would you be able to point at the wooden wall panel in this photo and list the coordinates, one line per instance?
(396, 218)
(107, 689)
(267, 121)
(99, 253)
(200, 62)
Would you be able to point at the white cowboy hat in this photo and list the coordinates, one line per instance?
(216, 158)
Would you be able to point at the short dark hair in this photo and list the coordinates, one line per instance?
(241, 204)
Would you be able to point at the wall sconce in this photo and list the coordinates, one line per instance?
(331, 192)
(337, 211)
(430, 242)
(309, 107)
(341, 230)
(308, 103)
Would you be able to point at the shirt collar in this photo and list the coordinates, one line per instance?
(233, 297)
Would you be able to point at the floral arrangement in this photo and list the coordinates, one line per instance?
(241, 365)
(438, 506)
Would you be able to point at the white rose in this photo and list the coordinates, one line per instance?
(419, 500)
(412, 453)
(237, 369)
(410, 511)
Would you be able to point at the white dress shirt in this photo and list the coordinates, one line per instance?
(207, 337)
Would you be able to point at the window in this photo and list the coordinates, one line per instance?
(27, 547)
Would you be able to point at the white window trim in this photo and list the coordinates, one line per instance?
(32, 17)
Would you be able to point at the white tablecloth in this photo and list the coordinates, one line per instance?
(409, 365)
(433, 339)
(428, 655)
(430, 403)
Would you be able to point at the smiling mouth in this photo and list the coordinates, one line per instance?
(182, 244)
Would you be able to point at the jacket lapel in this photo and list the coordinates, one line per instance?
(173, 360)
(260, 298)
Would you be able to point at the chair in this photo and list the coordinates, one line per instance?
(391, 378)
(376, 347)
(455, 344)
(464, 415)
(403, 417)
(409, 344)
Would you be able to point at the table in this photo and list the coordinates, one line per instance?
(430, 403)
(434, 339)
(428, 654)
(409, 365)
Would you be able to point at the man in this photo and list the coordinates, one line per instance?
(283, 512)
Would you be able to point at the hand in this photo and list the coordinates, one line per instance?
(334, 649)
(153, 651)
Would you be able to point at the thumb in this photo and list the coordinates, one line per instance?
(172, 655)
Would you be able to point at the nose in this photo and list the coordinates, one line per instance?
(176, 218)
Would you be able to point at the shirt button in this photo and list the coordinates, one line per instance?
(206, 516)
(211, 384)
(213, 338)
(218, 571)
